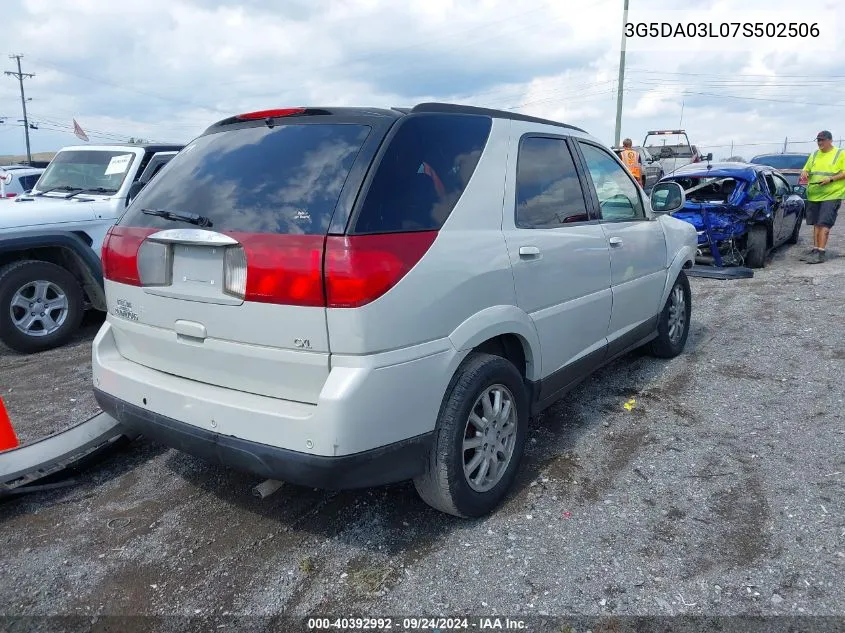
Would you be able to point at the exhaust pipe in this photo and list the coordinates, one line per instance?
(266, 488)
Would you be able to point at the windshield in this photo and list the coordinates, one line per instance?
(87, 169)
(781, 161)
(792, 179)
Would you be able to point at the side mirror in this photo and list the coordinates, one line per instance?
(667, 197)
(134, 190)
(709, 157)
(799, 189)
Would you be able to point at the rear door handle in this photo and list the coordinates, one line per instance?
(529, 252)
(615, 241)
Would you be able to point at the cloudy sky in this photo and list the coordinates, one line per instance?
(165, 69)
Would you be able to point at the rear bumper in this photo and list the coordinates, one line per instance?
(369, 426)
(387, 464)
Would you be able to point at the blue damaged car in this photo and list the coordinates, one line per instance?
(741, 211)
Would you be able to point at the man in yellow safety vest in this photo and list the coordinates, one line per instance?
(632, 160)
(824, 174)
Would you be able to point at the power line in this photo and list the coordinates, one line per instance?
(108, 82)
(20, 75)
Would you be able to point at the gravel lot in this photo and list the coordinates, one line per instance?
(49, 392)
(719, 492)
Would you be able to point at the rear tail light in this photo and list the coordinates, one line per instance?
(234, 272)
(155, 263)
(303, 270)
(361, 268)
(120, 254)
(11, 195)
(284, 269)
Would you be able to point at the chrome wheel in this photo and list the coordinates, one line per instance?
(39, 308)
(489, 438)
(677, 314)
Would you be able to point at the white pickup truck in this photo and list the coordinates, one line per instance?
(50, 239)
(674, 154)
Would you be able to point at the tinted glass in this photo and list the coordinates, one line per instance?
(781, 161)
(618, 196)
(782, 187)
(423, 173)
(548, 193)
(28, 182)
(87, 169)
(792, 179)
(670, 151)
(770, 184)
(285, 179)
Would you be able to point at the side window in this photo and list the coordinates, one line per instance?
(754, 188)
(423, 173)
(548, 193)
(28, 182)
(782, 188)
(770, 183)
(618, 196)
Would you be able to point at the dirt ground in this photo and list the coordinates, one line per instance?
(718, 491)
(49, 392)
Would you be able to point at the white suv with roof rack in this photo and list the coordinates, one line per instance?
(350, 297)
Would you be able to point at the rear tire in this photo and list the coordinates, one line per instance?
(46, 284)
(674, 322)
(445, 483)
(757, 247)
(793, 239)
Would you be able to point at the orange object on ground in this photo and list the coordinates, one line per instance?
(8, 439)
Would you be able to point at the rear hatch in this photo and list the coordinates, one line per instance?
(215, 273)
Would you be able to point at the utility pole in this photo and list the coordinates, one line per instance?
(20, 76)
(732, 150)
(785, 143)
(621, 77)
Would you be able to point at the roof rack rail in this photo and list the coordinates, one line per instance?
(498, 114)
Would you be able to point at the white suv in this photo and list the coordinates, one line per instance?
(16, 180)
(351, 297)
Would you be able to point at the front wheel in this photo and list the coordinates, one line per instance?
(479, 438)
(41, 306)
(674, 321)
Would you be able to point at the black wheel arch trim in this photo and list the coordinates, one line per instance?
(89, 264)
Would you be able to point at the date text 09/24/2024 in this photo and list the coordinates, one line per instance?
(432, 625)
(722, 30)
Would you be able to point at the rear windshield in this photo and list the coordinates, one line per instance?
(780, 161)
(670, 151)
(423, 173)
(285, 179)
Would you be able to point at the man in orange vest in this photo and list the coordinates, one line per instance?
(632, 160)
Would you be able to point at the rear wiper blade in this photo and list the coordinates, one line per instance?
(101, 190)
(179, 216)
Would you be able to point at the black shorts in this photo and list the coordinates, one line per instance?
(823, 213)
